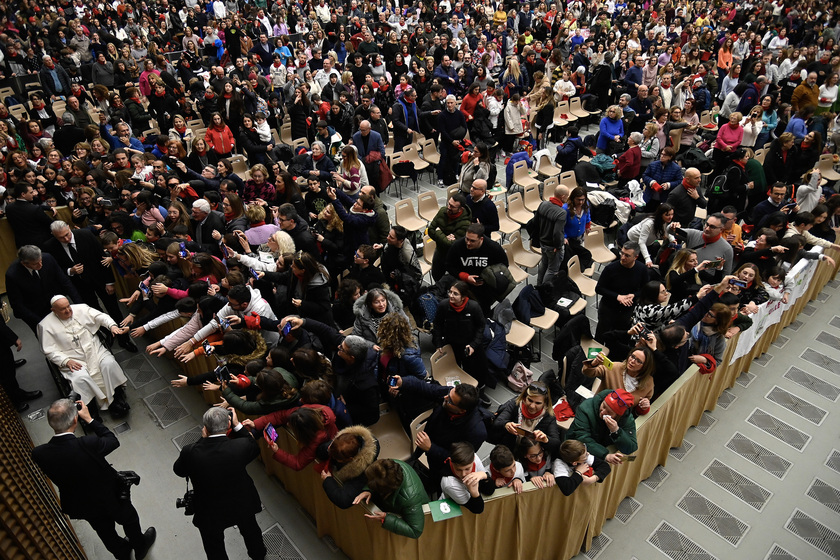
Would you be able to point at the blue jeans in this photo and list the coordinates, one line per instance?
(549, 262)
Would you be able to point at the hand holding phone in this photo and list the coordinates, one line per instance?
(270, 433)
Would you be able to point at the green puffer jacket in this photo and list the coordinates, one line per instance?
(590, 428)
(408, 502)
(441, 226)
(263, 407)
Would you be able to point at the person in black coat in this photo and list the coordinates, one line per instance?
(34, 279)
(27, 219)
(618, 285)
(204, 222)
(532, 410)
(88, 484)
(217, 462)
(459, 322)
(8, 379)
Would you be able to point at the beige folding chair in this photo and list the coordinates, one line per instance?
(826, 167)
(300, 142)
(418, 425)
(700, 213)
(544, 322)
(531, 197)
(521, 176)
(394, 443)
(195, 123)
(706, 119)
(577, 109)
(548, 187)
(585, 284)
(517, 210)
(547, 167)
(452, 189)
(559, 121)
(429, 247)
(506, 225)
(407, 217)
(286, 133)
(760, 154)
(520, 334)
(411, 152)
(565, 111)
(519, 275)
(19, 111)
(445, 369)
(239, 163)
(522, 256)
(594, 241)
(430, 152)
(427, 205)
(568, 179)
(389, 147)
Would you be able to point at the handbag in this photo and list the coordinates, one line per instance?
(385, 175)
(519, 377)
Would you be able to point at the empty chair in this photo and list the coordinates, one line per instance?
(584, 283)
(517, 210)
(519, 275)
(577, 109)
(506, 225)
(427, 205)
(594, 241)
(429, 247)
(531, 197)
(240, 165)
(412, 154)
(548, 187)
(195, 123)
(826, 167)
(418, 425)
(286, 133)
(522, 256)
(393, 441)
(406, 217)
(546, 167)
(303, 141)
(521, 176)
(520, 334)
(760, 154)
(430, 152)
(568, 179)
(446, 370)
(544, 322)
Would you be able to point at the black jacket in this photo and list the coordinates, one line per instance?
(29, 222)
(458, 329)
(90, 254)
(204, 233)
(212, 458)
(30, 298)
(78, 467)
(509, 412)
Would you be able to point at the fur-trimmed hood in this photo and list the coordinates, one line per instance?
(259, 351)
(367, 454)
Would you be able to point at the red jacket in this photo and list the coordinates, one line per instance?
(221, 141)
(630, 163)
(306, 453)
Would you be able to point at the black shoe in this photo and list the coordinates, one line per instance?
(19, 363)
(118, 411)
(30, 395)
(485, 401)
(22, 407)
(127, 343)
(149, 539)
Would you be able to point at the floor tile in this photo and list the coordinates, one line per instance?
(795, 325)
(656, 478)
(138, 369)
(829, 340)
(279, 545)
(797, 405)
(809, 310)
(821, 360)
(745, 379)
(749, 492)
(190, 436)
(717, 519)
(759, 455)
(166, 407)
(763, 360)
(599, 545)
(706, 422)
(628, 507)
(833, 461)
(780, 341)
(835, 322)
(823, 296)
(824, 493)
(674, 544)
(726, 398)
(680, 452)
(778, 429)
(814, 533)
(813, 383)
(779, 553)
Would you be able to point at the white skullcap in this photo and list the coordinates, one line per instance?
(56, 298)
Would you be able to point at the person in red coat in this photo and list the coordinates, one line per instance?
(629, 164)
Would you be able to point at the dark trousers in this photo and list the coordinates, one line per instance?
(475, 365)
(448, 166)
(105, 527)
(8, 377)
(612, 316)
(213, 539)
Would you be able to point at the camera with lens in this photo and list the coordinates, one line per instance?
(75, 397)
(187, 502)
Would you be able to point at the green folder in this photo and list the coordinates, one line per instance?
(444, 509)
(592, 353)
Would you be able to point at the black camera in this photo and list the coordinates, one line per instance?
(75, 397)
(127, 479)
(187, 502)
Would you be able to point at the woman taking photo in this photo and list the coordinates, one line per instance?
(308, 293)
(682, 279)
(349, 177)
(459, 322)
(634, 375)
(310, 424)
(532, 410)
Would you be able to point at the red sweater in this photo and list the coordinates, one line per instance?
(306, 453)
(221, 141)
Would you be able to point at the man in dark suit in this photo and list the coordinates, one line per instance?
(79, 253)
(204, 222)
(215, 460)
(29, 222)
(32, 281)
(8, 379)
(87, 482)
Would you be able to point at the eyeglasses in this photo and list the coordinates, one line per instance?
(535, 456)
(617, 396)
(635, 359)
(710, 226)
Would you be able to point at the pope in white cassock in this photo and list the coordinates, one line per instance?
(68, 339)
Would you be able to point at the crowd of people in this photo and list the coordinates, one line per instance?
(225, 160)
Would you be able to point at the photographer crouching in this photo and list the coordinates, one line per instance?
(91, 489)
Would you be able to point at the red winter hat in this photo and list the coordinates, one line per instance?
(619, 401)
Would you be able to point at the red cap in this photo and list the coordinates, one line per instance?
(619, 401)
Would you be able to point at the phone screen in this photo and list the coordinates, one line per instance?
(287, 329)
(270, 433)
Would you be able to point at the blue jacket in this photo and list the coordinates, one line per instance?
(575, 227)
(518, 156)
(445, 74)
(410, 364)
(672, 175)
(375, 144)
(633, 79)
(356, 226)
(797, 127)
(609, 128)
(568, 153)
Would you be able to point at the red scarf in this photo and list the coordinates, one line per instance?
(407, 100)
(709, 240)
(534, 467)
(663, 86)
(496, 474)
(181, 129)
(228, 95)
(229, 217)
(160, 94)
(201, 152)
(456, 216)
(459, 308)
(319, 157)
(277, 64)
(687, 186)
(556, 201)
(136, 99)
(738, 163)
(257, 224)
(209, 95)
(525, 413)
